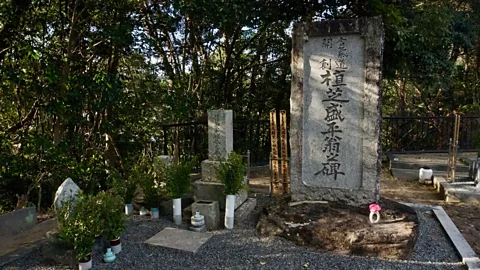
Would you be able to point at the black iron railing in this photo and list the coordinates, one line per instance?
(430, 133)
(399, 133)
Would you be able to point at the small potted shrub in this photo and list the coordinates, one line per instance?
(231, 173)
(152, 196)
(80, 227)
(178, 184)
(124, 188)
(145, 175)
(113, 221)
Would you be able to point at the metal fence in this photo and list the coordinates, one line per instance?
(431, 133)
(399, 134)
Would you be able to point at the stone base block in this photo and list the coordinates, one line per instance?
(209, 171)
(353, 197)
(212, 191)
(59, 254)
(210, 210)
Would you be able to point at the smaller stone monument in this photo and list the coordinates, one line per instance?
(67, 191)
(57, 249)
(220, 144)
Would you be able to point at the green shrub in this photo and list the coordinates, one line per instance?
(178, 179)
(150, 178)
(231, 173)
(80, 225)
(112, 218)
(125, 188)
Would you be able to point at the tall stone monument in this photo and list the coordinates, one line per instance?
(335, 110)
(220, 144)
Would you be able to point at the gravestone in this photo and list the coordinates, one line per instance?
(335, 110)
(220, 144)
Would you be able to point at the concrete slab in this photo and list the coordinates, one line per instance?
(469, 257)
(179, 239)
(460, 192)
(406, 165)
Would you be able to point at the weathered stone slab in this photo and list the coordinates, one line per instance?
(335, 110)
(220, 134)
(67, 191)
(460, 192)
(213, 191)
(179, 239)
(210, 210)
(242, 212)
(18, 221)
(209, 170)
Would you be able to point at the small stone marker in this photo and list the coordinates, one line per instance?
(179, 239)
(335, 110)
(220, 134)
(67, 191)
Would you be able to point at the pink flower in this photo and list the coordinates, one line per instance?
(375, 207)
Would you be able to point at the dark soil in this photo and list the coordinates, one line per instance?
(343, 229)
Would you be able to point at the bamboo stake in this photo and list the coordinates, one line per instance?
(284, 150)
(274, 153)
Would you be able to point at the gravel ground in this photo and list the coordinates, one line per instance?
(242, 249)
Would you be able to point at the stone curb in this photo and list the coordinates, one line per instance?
(469, 257)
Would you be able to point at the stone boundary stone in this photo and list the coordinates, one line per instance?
(18, 221)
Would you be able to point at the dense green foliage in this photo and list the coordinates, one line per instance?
(231, 173)
(85, 85)
(79, 225)
(179, 181)
(112, 220)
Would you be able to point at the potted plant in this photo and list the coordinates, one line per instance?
(145, 174)
(231, 174)
(178, 184)
(113, 220)
(124, 188)
(79, 227)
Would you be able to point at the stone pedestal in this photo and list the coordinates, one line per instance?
(213, 191)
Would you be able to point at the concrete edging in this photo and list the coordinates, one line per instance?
(469, 257)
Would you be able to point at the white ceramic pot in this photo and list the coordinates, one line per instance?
(154, 212)
(229, 211)
(116, 246)
(143, 211)
(85, 265)
(177, 211)
(128, 209)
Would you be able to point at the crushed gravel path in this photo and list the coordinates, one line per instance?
(242, 249)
